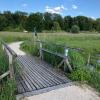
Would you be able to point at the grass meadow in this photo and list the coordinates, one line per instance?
(89, 42)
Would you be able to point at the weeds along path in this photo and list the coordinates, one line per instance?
(73, 92)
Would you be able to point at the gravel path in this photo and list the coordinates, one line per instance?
(73, 92)
(67, 93)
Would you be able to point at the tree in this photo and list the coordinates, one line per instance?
(56, 26)
(68, 22)
(35, 20)
(2, 22)
(58, 18)
(98, 24)
(48, 21)
(10, 22)
(85, 23)
(75, 29)
(20, 19)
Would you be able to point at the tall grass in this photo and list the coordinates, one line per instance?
(3, 61)
(7, 90)
(15, 36)
(30, 48)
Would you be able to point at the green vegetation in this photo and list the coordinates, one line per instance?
(56, 26)
(7, 91)
(30, 48)
(77, 60)
(14, 36)
(89, 43)
(75, 29)
(3, 61)
(20, 21)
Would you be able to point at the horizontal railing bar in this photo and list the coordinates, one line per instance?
(57, 54)
(4, 75)
(9, 49)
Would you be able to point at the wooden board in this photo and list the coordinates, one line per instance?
(34, 74)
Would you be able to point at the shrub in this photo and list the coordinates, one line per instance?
(75, 29)
(56, 26)
(81, 74)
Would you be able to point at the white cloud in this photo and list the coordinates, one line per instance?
(24, 5)
(93, 17)
(74, 7)
(57, 10)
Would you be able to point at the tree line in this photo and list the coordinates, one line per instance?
(19, 21)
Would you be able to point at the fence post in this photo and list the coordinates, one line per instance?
(41, 53)
(89, 58)
(66, 62)
(11, 66)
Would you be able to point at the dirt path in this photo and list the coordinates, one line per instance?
(67, 93)
(73, 92)
(16, 48)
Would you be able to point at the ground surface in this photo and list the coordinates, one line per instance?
(67, 93)
(73, 92)
(16, 48)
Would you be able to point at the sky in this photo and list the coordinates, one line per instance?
(90, 8)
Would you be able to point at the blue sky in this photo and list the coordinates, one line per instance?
(89, 8)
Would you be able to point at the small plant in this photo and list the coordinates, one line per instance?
(95, 80)
(7, 92)
(75, 29)
(81, 74)
(30, 48)
(76, 59)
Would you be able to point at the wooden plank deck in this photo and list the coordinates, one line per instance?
(34, 74)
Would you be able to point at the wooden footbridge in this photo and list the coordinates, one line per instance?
(33, 74)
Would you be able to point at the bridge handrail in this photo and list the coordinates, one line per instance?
(9, 49)
(11, 57)
(65, 60)
(59, 45)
